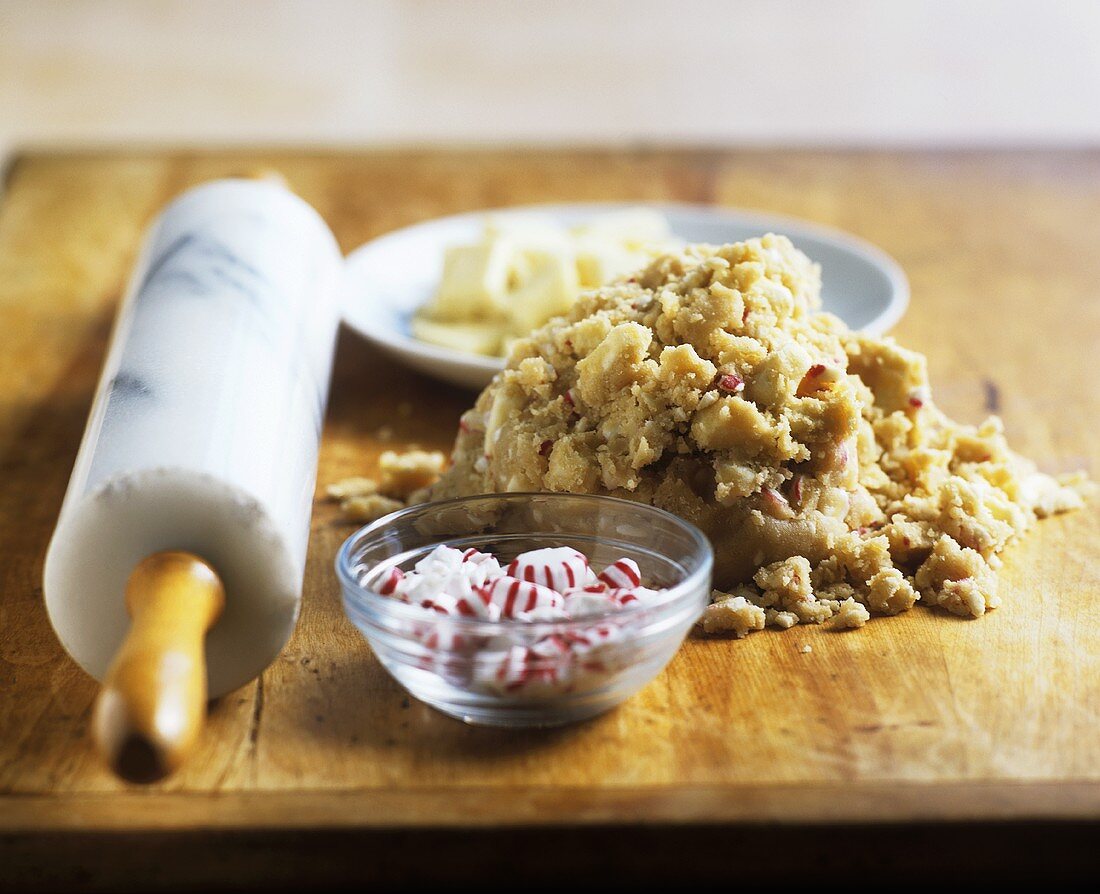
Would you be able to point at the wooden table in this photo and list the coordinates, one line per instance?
(892, 747)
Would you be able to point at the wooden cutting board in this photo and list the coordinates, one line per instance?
(922, 718)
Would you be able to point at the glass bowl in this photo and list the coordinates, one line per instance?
(511, 672)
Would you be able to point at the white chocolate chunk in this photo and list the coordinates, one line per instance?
(473, 338)
(474, 283)
(549, 289)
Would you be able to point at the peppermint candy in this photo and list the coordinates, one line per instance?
(508, 671)
(445, 639)
(597, 649)
(622, 574)
(624, 596)
(589, 602)
(514, 597)
(544, 585)
(527, 670)
(558, 568)
(390, 581)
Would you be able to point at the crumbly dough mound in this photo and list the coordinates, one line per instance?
(812, 456)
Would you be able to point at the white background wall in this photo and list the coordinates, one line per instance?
(944, 72)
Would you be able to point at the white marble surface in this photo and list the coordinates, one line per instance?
(955, 72)
(206, 423)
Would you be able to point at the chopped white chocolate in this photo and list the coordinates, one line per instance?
(525, 271)
(474, 283)
(474, 338)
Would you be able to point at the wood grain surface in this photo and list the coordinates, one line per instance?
(921, 717)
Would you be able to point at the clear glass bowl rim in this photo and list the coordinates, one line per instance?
(376, 603)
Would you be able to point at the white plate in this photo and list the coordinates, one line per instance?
(390, 277)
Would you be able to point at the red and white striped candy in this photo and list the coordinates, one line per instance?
(440, 636)
(470, 606)
(441, 603)
(513, 671)
(389, 583)
(444, 639)
(596, 586)
(558, 568)
(624, 596)
(622, 574)
(589, 601)
(550, 647)
(468, 600)
(513, 596)
(477, 567)
(522, 669)
(632, 595)
(584, 641)
(595, 647)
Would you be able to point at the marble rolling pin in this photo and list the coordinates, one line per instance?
(175, 571)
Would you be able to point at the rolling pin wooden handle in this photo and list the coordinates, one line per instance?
(151, 709)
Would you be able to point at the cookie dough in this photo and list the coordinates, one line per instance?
(813, 457)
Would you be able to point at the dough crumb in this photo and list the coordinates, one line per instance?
(732, 614)
(782, 620)
(369, 508)
(850, 615)
(346, 488)
(806, 649)
(412, 470)
(401, 474)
